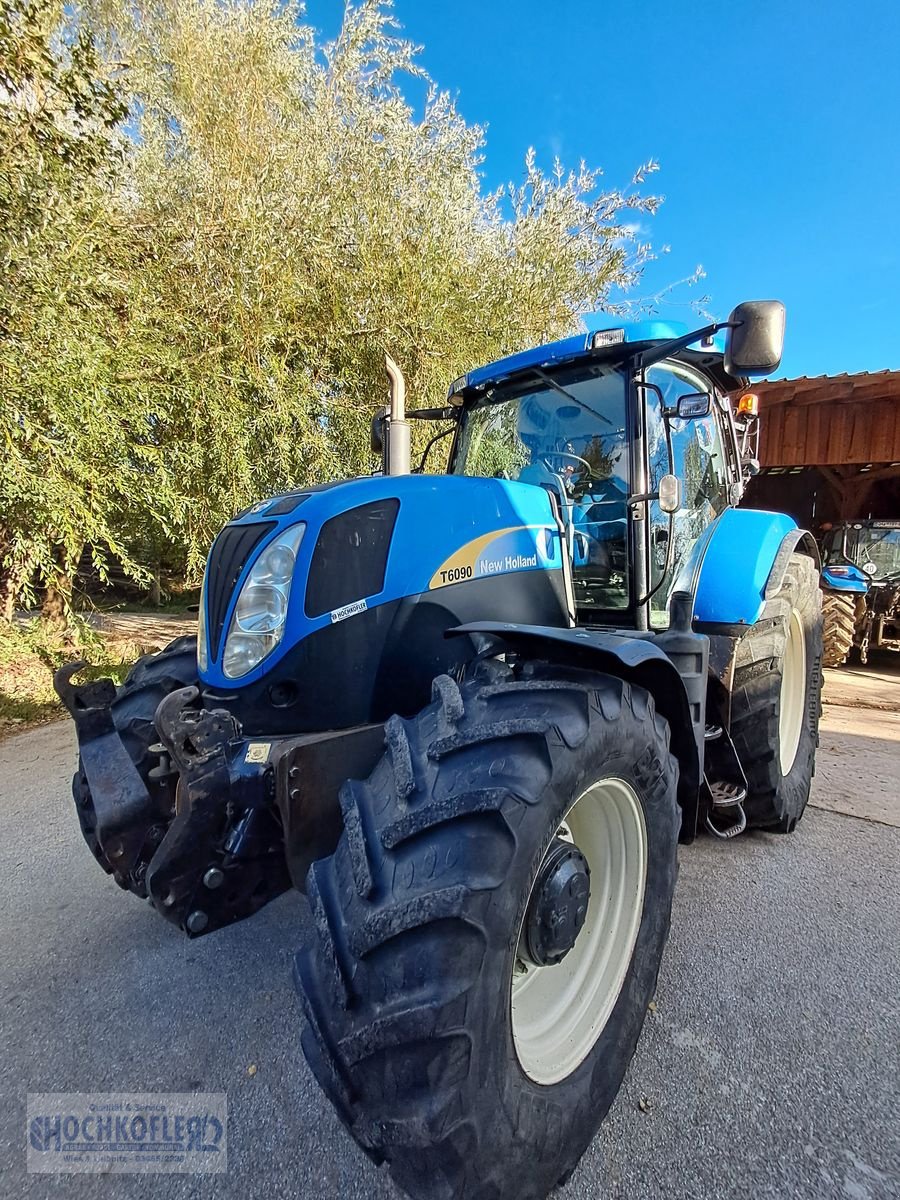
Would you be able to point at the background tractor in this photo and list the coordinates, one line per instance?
(470, 716)
(861, 585)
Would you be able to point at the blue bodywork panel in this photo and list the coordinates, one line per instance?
(844, 577)
(730, 565)
(448, 529)
(553, 354)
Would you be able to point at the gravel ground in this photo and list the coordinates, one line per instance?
(771, 1067)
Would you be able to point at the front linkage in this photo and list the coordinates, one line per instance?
(221, 824)
(199, 835)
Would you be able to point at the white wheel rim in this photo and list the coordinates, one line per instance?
(559, 1012)
(793, 693)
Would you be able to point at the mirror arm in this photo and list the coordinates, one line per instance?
(432, 414)
(670, 540)
(749, 430)
(668, 432)
(655, 354)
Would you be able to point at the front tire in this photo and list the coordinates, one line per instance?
(776, 700)
(419, 1025)
(839, 621)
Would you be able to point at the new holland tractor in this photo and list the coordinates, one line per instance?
(470, 715)
(861, 585)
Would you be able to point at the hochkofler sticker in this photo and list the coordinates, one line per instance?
(349, 610)
(121, 1132)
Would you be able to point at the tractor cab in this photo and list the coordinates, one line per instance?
(631, 432)
(873, 547)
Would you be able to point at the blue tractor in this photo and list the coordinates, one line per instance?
(470, 715)
(861, 586)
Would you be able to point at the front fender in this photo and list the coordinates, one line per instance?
(739, 562)
(851, 579)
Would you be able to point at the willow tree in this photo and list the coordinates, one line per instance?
(283, 217)
(58, 157)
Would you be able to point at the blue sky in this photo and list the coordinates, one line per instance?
(776, 125)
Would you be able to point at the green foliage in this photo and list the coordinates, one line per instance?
(56, 117)
(201, 314)
(62, 425)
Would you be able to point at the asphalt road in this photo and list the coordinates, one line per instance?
(771, 1067)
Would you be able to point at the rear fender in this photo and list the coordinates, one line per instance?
(636, 659)
(739, 563)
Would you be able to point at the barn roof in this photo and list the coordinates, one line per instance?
(830, 420)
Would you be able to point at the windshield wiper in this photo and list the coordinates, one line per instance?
(557, 387)
(868, 546)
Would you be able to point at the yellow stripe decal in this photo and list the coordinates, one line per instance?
(463, 563)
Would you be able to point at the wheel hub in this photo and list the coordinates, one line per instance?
(559, 905)
(559, 1012)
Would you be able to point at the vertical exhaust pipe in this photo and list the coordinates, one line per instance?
(396, 427)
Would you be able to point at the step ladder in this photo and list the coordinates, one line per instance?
(725, 785)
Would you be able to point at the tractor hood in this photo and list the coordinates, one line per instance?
(359, 549)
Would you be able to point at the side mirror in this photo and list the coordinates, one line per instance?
(377, 434)
(755, 340)
(693, 405)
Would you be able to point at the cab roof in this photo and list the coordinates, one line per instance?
(634, 334)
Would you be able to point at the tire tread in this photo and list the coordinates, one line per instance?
(398, 951)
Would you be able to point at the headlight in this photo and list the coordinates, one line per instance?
(243, 652)
(276, 565)
(257, 625)
(202, 645)
(261, 608)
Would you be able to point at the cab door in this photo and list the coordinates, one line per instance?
(694, 451)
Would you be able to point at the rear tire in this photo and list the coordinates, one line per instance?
(839, 620)
(776, 700)
(150, 679)
(414, 1029)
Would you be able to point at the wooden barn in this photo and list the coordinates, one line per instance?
(829, 447)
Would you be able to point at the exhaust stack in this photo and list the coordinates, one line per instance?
(396, 427)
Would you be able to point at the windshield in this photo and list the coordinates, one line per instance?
(869, 544)
(565, 433)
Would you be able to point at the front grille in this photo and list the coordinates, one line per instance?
(230, 552)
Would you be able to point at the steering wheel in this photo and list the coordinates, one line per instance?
(553, 460)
